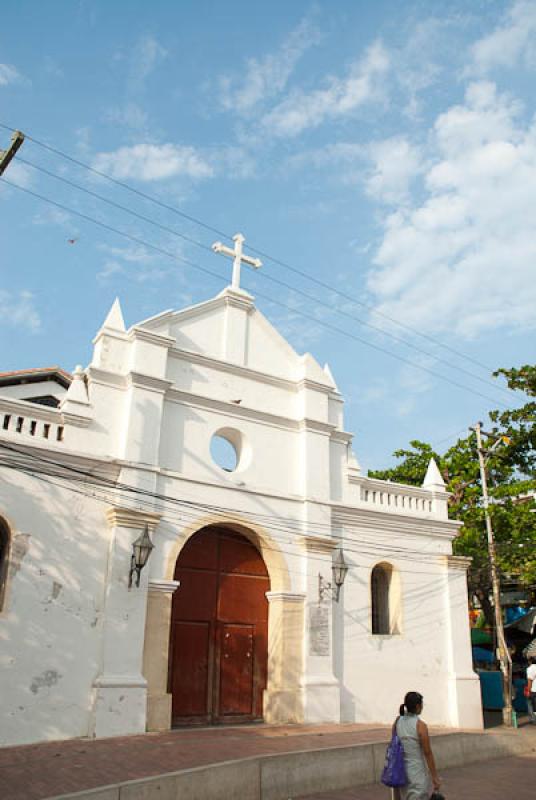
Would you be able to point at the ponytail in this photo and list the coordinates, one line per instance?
(412, 701)
(402, 710)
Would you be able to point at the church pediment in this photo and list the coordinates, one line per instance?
(229, 327)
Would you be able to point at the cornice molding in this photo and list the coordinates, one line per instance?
(78, 420)
(106, 378)
(236, 369)
(246, 412)
(319, 544)
(120, 682)
(316, 426)
(239, 299)
(342, 436)
(142, 381)
(118, 516)
(102, 466)
(163, 586)
(461, 563)
(196, 310)
(112, 333)
(377, 485)
(26, 409)
(393, 522)
(286, 597)
(230, 409)
(316, 386)
(160, 339)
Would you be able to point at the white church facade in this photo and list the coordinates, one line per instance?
(244, 609)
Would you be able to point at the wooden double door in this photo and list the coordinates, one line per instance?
(219, 630)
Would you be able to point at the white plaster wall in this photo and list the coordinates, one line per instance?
(51, 622)
(105, 435)
(223, 385)
(200, 334)
(185, 447)
(376, 671)
(268, 352)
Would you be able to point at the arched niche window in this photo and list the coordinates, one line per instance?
(385, 600)
(4, 554)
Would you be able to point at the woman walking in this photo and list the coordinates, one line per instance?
(418, 757)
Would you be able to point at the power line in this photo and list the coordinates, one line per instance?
(85, 476)
(281, 263)
(267, 276)
(206, 271)
(359, 548)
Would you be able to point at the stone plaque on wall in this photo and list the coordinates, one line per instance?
(319, 630)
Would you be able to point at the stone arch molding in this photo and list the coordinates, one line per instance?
(257, 535)
(282, 700)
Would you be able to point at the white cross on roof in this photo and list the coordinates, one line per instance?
(238, 257)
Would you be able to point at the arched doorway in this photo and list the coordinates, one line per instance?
(219, 630)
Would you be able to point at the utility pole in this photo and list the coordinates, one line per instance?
(7, 155)
(504, 656)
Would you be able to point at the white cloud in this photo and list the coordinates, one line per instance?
(342, 96)
(462, 259)
(386, 168)
(109, 269)
(19, 173)
(131, 115)
(55, 216)
(145, 57)
(18, 310)
(396, 163)
(134, 262)
(267, 77)
(421, 60)
(150, 162)
(512, 42)
(8, 74)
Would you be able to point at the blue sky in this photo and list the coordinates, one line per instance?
(387, 150)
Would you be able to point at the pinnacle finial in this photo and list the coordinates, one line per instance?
(433, 480)
(115, 320)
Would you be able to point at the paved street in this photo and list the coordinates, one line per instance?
(504, 779)
(33, 772)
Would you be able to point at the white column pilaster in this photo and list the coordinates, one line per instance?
(120, 689)
(156, 653)
(321, 687)
(465, 705)
(283, 698)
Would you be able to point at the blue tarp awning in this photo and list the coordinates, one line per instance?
(485, 656)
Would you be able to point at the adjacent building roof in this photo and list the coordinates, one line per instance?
(36, 375)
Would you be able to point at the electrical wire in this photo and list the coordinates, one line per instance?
(262, 253)
(212, 274)
(346, 542)
(274, 523)
(268, 277)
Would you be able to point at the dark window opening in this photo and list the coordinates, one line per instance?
(4, 553)
(44, 400)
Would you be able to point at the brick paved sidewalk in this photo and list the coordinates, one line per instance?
(35, 772)
(504, 779)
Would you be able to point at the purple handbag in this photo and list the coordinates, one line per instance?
(394, 769)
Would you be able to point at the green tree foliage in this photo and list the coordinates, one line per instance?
(511, 475)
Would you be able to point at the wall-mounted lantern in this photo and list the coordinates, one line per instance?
(339, 569)
(141, 550)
